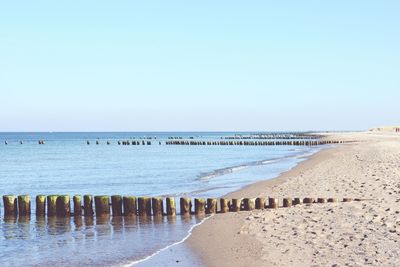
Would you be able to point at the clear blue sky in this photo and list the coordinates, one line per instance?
(198, 65)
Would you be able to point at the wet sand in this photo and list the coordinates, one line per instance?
(332, 234)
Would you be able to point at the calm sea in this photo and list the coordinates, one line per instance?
(67, 165)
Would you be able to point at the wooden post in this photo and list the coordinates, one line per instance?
(308, 200)
(236, 204)
(10, 205)
(298, 201)
(24, 205)
(186, 205)
(287, 202)
(249, 203)
(333, 200)
(321, 200)
(63, 207)
(224, 203)
(157, 206)
(102, 206)
(144, 206)
(40, 205)
(116, 203)
(51, 205)
(171, 209)
(273, 203)
(199, 206)
(129, 206)
(211, 205)
(347, 199)
(88, 205)
(260, 203)
(77, 205)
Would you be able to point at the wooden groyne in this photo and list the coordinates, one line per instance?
(117, 205)
(255, 143)
(192, 142)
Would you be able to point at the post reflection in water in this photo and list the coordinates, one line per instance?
(93, 241)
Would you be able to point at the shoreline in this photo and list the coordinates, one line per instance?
(250, 239)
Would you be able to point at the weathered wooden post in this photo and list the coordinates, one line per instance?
(77, 199)
(308, 200)
(130, 208)
(287, 202)
(144, 206)
(63, 207)
(224, 203)
(333, 200)
(10, 205)
(157, 206)
(186, 205)
(249, 203)
(260, 203)
(199, 206)
(52, 205)
(24, 205)
(298, 201)
(88, 205)
(273, 203)
(102, 206)
(116, 204)
(236, 204)
(40, 205)
(171, 209)
(211, 205)
(321, 200)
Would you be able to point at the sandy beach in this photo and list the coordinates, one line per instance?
(356, 233)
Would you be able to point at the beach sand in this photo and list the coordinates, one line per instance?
(332, 234)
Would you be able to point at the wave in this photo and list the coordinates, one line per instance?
(167, 247)
(219, 172)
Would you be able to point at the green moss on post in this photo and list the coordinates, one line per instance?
(52, 205)
(171, 209)
(186, 205)
(88, 205)
(130, 208)
(260, 203)
(224, 203)
(63, 206)
(157, 205)
(236, 204)
(77, 205)
(273, 203)
(102, 206)
(199, 206)
(287, 202)
(40, 205)
(116, 204)
(144, 206)
(10, 205)
(211, 205)
(24, 205)
(249, 203)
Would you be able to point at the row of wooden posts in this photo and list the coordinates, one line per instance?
(253, 143)
(273, 136)
(59, 205)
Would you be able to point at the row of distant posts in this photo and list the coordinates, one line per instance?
(117, 205)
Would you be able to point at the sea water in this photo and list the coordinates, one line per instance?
(65, 164)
